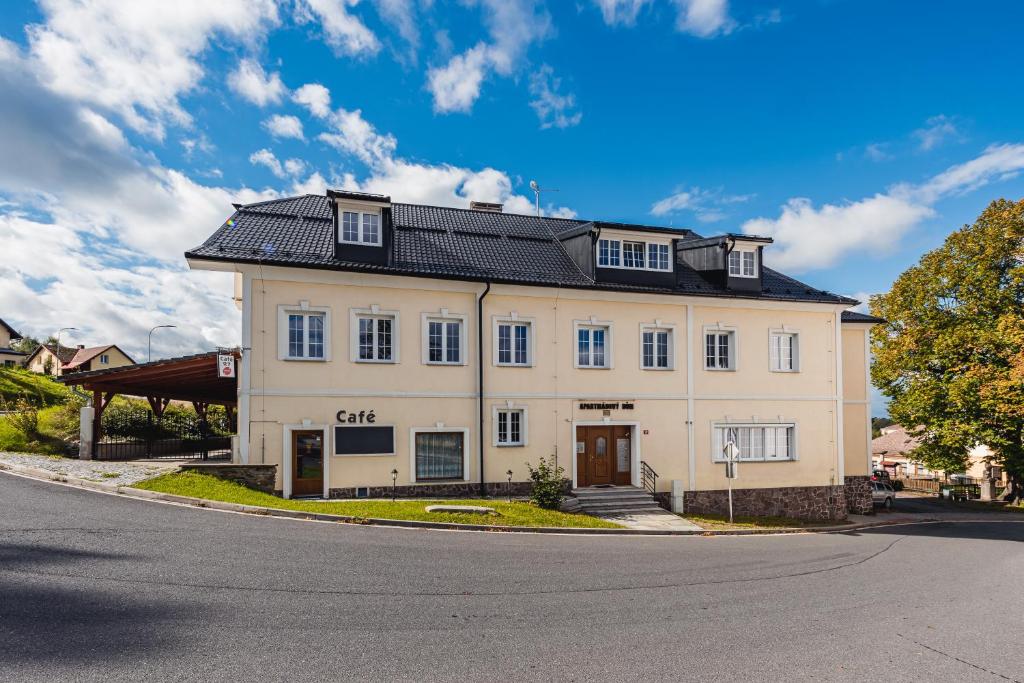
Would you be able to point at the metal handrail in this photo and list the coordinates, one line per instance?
(648, 478)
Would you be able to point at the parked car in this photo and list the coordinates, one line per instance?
(883, 494)
(880, 475)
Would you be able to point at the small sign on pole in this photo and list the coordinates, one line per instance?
(732, 458)
(225, 365)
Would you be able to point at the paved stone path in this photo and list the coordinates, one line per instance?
(117, 473)
(651, 520)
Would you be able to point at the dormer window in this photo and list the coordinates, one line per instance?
(358, 227)
(743, 263)
(634, 255)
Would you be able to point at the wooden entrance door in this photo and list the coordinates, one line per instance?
(603, 455)
(307, 462)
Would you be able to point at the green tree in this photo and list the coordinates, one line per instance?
(951, 355)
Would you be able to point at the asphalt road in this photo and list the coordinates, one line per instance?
(98, 587)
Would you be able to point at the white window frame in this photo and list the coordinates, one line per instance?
(718, 457)
(467, 447)
(524, 424)
(302, 308)
(376, 313)
(733, 347)
(104, 359)
(784, 331)
(443, 316)
(361, 227)
(512, 319)
(621, 262)
(593, 324)
(659, 326)
(741, 252)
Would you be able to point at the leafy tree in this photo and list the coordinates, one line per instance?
(878, 424)
(951, 356)
(25, 345)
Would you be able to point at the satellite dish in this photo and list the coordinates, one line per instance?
(534, 186)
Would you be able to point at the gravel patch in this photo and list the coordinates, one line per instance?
(118, 473)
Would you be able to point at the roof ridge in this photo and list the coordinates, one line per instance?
(492, 213)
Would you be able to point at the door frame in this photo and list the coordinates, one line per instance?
(634, 445)
(287, 456)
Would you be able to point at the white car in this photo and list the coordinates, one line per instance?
(883, 494)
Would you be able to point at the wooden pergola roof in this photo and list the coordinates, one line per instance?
(188, 378)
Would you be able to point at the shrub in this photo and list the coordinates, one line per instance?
(548, 484)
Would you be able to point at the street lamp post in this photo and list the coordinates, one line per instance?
(149, 355)
(63, 329)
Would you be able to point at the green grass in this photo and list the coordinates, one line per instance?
(49, 441)
(38, 389)
(509, 514)
(717, 522)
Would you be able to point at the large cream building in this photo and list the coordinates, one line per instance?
(440, 350)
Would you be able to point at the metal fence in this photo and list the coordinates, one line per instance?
(130, 432)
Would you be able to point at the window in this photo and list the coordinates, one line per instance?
(513, 342)
(304, 333)
(593, 346)
(719, 352)
(742, 263)
(608, 253)
(656, 348)
(783, 353)
(439, 455)
(657, 256)
(376, 335)
(757, 443)
(442, 338)
(360, 228)
(633, 254)
(510, 427)
(104, 359)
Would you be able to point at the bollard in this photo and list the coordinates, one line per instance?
(676, 502)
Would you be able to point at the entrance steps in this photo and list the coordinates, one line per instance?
(615, 500)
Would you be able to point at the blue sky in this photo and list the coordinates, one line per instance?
(857, 134)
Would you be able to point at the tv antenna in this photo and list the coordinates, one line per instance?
(537, 189)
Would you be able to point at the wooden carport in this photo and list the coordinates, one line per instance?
(192, 379)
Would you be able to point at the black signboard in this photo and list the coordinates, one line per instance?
(362, 440)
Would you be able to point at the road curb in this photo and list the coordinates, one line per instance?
(142, 494)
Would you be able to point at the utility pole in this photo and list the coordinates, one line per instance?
(149, 355)
(63, 329)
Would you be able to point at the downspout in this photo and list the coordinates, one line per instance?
(480, 381)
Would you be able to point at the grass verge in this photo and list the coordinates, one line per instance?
(721, 522)
(509, 514)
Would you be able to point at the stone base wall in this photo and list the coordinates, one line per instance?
(259, 477)
(462, 489)
(858, 495)
(811, 503)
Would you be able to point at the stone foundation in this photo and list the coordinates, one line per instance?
(461, 489)
(811, 503)
(259, 477)
(858, 495)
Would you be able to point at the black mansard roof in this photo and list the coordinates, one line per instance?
(459, 244)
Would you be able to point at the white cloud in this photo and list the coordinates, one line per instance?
(704, 18)
(553, 108)
(252, 83)
(456, 86)
(935, 131)
(620, 12)
(807, 237)
(402, 15)
(264, 157)
(709, 206)
(355, 135)
(877, 151)
(513, 26)
(294, 167)
(136, 59)
(343, 31)
(284, 127)
(314, 97)
(409, 181)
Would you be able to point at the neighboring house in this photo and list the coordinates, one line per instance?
(77, 358)
(894, 452)
(8, 356)
(453, 346)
